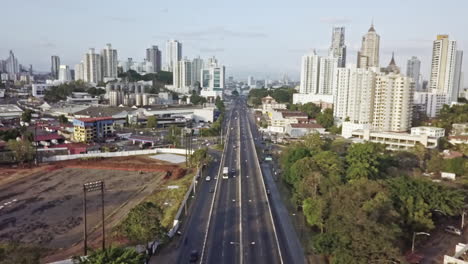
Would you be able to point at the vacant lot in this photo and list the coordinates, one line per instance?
(44, 206)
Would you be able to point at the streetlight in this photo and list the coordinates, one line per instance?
(414, 238)
(91, 187)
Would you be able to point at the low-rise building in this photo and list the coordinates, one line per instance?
(269, 104)
(300, 130)
(82, 98)
(39, 89)
(395, 141)
(436, 132)
(456, 140)
(280, 119)
(92, 129)
(10, 111)
(460, 129)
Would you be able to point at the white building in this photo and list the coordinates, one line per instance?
(213, 76)
(39, 90)
(393, 103)
(310, 73)
(197, 66)
(109, 62)
(173, 54)
(153, 55)
(300, 130)
(11, 64)
(413, 70)
(368, 56)
(395, 141)
(436, 132)
(79, 71)
(182, 76)
(251, 82)
(458, 77)
(443, 67)
(338, 47)
(431, 101)
(269, 104)
(64, 74)
(92, 67)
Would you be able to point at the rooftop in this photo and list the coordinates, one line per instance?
(47, 137)
(9, 108)
(311, 125)
(94, 119)
(99, 111)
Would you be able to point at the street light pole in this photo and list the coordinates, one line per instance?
(463, 219)
(414, 238)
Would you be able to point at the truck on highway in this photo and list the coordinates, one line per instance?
(225, 172)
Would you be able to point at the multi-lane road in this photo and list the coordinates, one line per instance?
(233, 220)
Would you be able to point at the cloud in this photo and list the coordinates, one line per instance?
(212, 50)
(121, 19)
(335, 20)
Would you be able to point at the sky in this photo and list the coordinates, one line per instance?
(262, 38)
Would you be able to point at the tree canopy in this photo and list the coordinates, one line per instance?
(113, 255)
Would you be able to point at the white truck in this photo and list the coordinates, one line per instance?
(225, 172)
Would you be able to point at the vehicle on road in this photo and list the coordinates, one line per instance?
(453, 230)
(212, 190)
(268, 191)
(225, 172)
(208, 178)
(193, 256)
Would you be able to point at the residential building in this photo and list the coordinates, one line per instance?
(430, 102)
(458, 77)
(92, 67)
(444, 59)
(393, 103)
(109, 62)
(280, 119)
(64, 74)
(197, 66)
(39, 89)
(182, 76)
(460, 129)
(269, 104)
(10, 111)
(79, 71)
(55, 66)
(251, 82)
(213, 79)
(413, 70)
(338, 47)
(11, 64)
(368, 56)
(173, 54)
(153, 55)
(92, 129)
(393, 140)
(310, 71)
(300, 130)
(436, 132)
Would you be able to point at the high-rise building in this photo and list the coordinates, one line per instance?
(213, 77)
(153, 55)
(79, 71)
(92, 68)
(197, 66)
(55, 65)
(393, 103)
(368, 56)
(251, 81)
(182, 75)
(338, 47)
(109, 62)
(11, 64)
(64, 73)
(413, 70)
(458, 76)
(444, 53)
(317, 74)
(173, 53)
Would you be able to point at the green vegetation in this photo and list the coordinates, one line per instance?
(152, 122)
(281, 95)
(113, 255)
(197, 99)
(449, 115)
(23, 150)
(215, 128)
(95, 91)
(57, 93)
(19, 253)
(357, 201)
(159, 79)
(235, 93)
(173, 135)
(220, 104)
(199, 157)
(62, 119)
(9, 134)
(312, 110)
(26, 115)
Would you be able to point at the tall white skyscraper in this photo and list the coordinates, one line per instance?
(11, 64)
(55, 65)
(368, 56)
(317, 74)
(92, 67)
(182, 75)
(153, 55)
(413, 70)
(338, 47)
(393, 103)
(213, 77)
(251, 81)
(79, 71)
(197, 66)
(173, 53)
(444, 55)
(109, 62)
(64, 73)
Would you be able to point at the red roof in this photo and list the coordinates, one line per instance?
(94, 119)
(47, 137)
(294, 114)
(310, 125)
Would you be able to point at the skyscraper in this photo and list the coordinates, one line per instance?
(213, 77)
(197, 66)
(458, 76)
(173, 53)
(92, 67)
(368, 56)
(443, 66)
(153, 55)
(54, 68)
(109, 62)
(11, 64)
(413, 70)
(317, 74)
(182, 75)
(64, 73)
(79, 71)
(338, 47)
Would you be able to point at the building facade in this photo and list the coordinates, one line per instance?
(182, 76)
(55, 66)
(92, 129)
(173, 54)
(64, 74)
(413, 70)
(109, 62)
(153, 55)
(338, 47)
(92, 67)
(197, 66)
(368, 56)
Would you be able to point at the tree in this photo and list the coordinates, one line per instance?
(26, 116)
(313, 212)
(312, 110)
(315, 143)
(152, 122)
(289, 157)
(197, 100)
(235, 93)
(20, 253)
(199, 157)
(326, 119)
(62, 119)
(113, 255)
(173, 135)
(435, 162)
(142, 224)
(23, 150)
(456, 165)
(365, 160)
(220, 104)
(9, 134)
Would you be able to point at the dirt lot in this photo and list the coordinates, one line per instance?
(44, 205)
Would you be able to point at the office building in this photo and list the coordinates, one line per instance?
(55, 65)
(92, 129)
(173, 54)
(444, 54)
(395, 141)
(11, 64)
(458, 76)
(153, 55)
(368, 56)
(92, 67)
(182, 76)
(338, 47)
(197, 66)
(109, 62)
(213, 77)
(413, 70)
(64, 74)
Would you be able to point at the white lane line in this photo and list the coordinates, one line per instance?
(240, 193)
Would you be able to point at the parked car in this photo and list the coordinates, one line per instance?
(208, 178)
(453, 230)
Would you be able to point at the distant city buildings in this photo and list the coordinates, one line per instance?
(11, 64)
(153, 56)
(413, 70)
(173, 54)
(64, 74)
(182, 76)
(109, 62)
(197, 66)
(55, 65)
(338, 47)
(368, 56)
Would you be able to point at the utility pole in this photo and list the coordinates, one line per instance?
(414, 238)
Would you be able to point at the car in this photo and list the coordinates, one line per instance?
(268, 191)
(453, 230)
(193, 256)
(212, 190)
(208, 178)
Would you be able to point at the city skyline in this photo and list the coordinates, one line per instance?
(248, 48)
